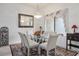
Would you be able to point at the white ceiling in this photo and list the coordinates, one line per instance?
(38, 7)
(47, 8)
(41, 5)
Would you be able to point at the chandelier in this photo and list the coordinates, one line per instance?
(37, 12)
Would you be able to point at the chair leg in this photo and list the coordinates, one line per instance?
(28, 52)
(39, 51)
(47, 53)
(55, 51)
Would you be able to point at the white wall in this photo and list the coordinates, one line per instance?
(39, 22)
(9, 18)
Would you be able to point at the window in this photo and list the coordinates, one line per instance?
(49, 24)
(59, 25)
(56, 25)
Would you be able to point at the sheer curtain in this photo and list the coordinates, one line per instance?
(66, 19)
(61, 22)
(49, 23)
(58, 22)
(62, 27)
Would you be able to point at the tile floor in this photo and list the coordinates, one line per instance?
(6, 51)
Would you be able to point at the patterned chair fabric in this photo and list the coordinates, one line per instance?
(4, 36)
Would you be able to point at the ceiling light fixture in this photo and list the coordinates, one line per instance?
(37, 16)
(37, 12)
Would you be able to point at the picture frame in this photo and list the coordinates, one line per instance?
(25, 21)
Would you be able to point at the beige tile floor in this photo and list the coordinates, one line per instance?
(5, 51)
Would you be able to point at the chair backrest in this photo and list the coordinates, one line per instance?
(22, 42)
(24, 39)
(52, 41)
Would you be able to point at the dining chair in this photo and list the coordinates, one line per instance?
(22, 41)
(28, 43)
(50, 44)
(45, 36)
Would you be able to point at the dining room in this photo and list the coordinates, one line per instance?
(37, 29)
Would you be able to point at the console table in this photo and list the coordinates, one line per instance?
(72, 37)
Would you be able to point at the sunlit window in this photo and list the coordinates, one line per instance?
(59, 25)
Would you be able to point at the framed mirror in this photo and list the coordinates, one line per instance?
(25, 21)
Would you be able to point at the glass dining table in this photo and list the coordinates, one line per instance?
(39, 39)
